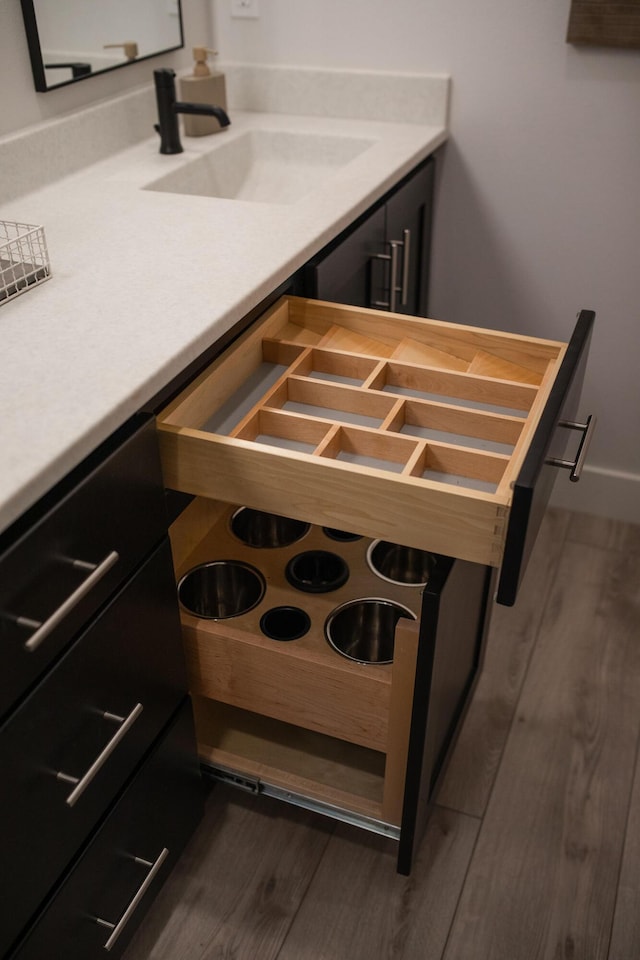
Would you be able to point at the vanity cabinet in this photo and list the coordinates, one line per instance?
(118, 874)
(381, 261)
(62, 560)
(431, 436)
(94, 672)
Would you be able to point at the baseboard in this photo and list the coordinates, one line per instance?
(605, 493)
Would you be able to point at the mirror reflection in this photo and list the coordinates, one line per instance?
(70, 40)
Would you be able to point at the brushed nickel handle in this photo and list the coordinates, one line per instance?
(81, 783)
(587, 433)
(118, 927)
(406, 255)
(393, 282)
(42, 630)
(391, 258)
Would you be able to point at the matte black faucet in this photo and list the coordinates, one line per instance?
(169, 108)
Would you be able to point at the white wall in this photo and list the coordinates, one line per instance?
(538, 209)
(21, 106)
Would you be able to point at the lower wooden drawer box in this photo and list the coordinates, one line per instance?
(289, 714)
(97, 907)
(248, 660)
(413, 430)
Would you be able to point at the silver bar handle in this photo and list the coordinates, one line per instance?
(587, 433)
(406, 255)
(393, 282)
(42, 630)
(81, 783)
(392, 257)
(118, 927)
(385, 304)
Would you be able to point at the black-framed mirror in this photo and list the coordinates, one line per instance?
(71, 40)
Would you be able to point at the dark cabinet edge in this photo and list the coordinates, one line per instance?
(429, 161)
(421, 784)
(69, 483)
(179, 724)
(521, 519)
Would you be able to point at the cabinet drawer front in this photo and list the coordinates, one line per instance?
(392, 240)
(395, 427)
(347, 274)
(449, 661)
(534, 483)
(56, 575)
(109, 876)
(77, 738)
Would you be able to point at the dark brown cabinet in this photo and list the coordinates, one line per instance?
(98, 904)
(62, 560)
(383, 259)
(88, 574)
(449, 661)
(74, 742)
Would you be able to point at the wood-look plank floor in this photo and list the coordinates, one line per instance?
(533, 852)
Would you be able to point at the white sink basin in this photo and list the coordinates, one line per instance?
(263, 166)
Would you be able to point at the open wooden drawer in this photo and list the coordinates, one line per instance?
(429, 434)
(362, 742)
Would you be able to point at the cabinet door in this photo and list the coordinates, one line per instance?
(62, 562)
(349, 272)
(384, 261)
(548, 447)
(79, 736)
(99, 905)
(452, 631)
(408, 230)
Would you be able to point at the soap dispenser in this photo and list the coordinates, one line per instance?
(203, 86)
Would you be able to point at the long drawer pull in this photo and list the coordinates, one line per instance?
(81, 783)
(117, 928)
(406, 255)
(42, 630)
(393, 282)
(587, 433)
(389, 304)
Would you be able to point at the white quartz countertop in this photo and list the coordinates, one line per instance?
(143, 282)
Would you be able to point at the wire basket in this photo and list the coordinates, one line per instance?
(24, 260)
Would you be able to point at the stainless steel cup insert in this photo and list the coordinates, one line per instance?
(259, 529)
(221, 589)
(364, 629)
(398, 564)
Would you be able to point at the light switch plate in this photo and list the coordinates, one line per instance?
(249, 9)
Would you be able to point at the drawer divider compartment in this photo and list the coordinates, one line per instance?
(403, 424)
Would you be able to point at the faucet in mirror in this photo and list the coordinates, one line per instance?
(66, 45)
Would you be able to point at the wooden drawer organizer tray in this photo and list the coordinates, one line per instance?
(297, 714)
(402, 428)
